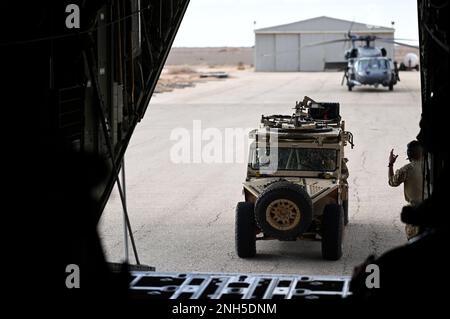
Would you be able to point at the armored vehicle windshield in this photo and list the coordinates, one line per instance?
(295, 159)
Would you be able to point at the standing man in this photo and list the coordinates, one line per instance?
(412, 176)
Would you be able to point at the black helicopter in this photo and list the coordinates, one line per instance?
(367, 64)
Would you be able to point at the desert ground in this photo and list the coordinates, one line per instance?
(184, 66)
(235, 55)
(183, 213)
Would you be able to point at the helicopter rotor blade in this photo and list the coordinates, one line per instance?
(325, 42)
(399, 43)
(349, 33)
(406, 45)
(394, 39)
(343, 77)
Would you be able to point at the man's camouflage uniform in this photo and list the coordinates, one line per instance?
(411, 175)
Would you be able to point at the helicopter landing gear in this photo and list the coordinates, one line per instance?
(345, 77)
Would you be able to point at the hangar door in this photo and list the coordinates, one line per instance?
(265, 52)
(313, 57)
(287, 55)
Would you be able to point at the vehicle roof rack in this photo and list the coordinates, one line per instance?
(309, 115)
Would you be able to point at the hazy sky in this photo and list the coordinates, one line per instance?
(231, 22)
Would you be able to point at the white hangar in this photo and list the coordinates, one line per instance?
(284, 48)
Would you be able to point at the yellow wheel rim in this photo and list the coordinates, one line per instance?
(283, 214)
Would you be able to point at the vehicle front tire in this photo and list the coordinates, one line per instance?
(391, 87)
(245, 231)
(345, 208)
(350, 87)
(332, 232)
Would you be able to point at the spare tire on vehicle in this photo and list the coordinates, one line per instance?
(283, 210)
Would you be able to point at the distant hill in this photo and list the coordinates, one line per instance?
(235, 55)
(210, 56)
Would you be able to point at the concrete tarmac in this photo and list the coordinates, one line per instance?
(182, 214)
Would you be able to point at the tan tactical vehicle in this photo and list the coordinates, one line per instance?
(296, 185)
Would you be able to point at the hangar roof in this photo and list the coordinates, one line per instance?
(324, 25)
